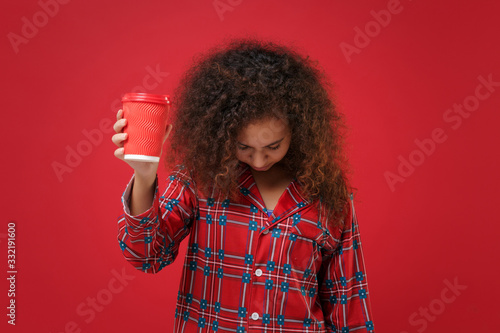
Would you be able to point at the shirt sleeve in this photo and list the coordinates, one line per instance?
(150, 241)
(343, 290)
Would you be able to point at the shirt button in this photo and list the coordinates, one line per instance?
(266, 231)
(255, 316)
(258, 272)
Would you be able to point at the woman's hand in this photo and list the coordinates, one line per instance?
(142, 169)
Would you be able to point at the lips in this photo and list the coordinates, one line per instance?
(262, 169)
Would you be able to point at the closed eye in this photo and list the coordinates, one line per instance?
(272, 148)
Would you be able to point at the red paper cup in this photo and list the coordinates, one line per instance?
(146, 116)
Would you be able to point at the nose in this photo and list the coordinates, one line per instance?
(259, 160)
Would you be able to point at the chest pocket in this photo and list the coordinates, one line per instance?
(300, 250)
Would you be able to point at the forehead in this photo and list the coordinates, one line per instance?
(264, 131)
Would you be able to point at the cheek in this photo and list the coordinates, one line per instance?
(283, 152)
(281, 155)
(240, 155)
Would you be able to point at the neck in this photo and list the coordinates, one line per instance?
(275, 174)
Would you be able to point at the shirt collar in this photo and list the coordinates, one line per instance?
(291, 201)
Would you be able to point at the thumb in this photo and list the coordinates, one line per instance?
(167, 132)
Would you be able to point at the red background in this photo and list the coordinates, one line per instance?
(439, 225)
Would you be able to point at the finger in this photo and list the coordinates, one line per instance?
(119, 138)
(118, 126)
(167, 132)
(119, 153)
(119, 114)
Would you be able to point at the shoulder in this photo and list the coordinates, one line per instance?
(181, 174)
(335, 225)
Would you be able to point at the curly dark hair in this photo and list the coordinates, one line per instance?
(245, 80)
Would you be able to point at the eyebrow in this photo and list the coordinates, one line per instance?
(275, 142)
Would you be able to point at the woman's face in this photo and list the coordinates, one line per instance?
(264, 143)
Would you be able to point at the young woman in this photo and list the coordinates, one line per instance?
(259, 184)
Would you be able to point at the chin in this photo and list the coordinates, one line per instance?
(264, 169)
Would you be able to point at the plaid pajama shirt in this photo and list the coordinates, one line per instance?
(245, 270)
